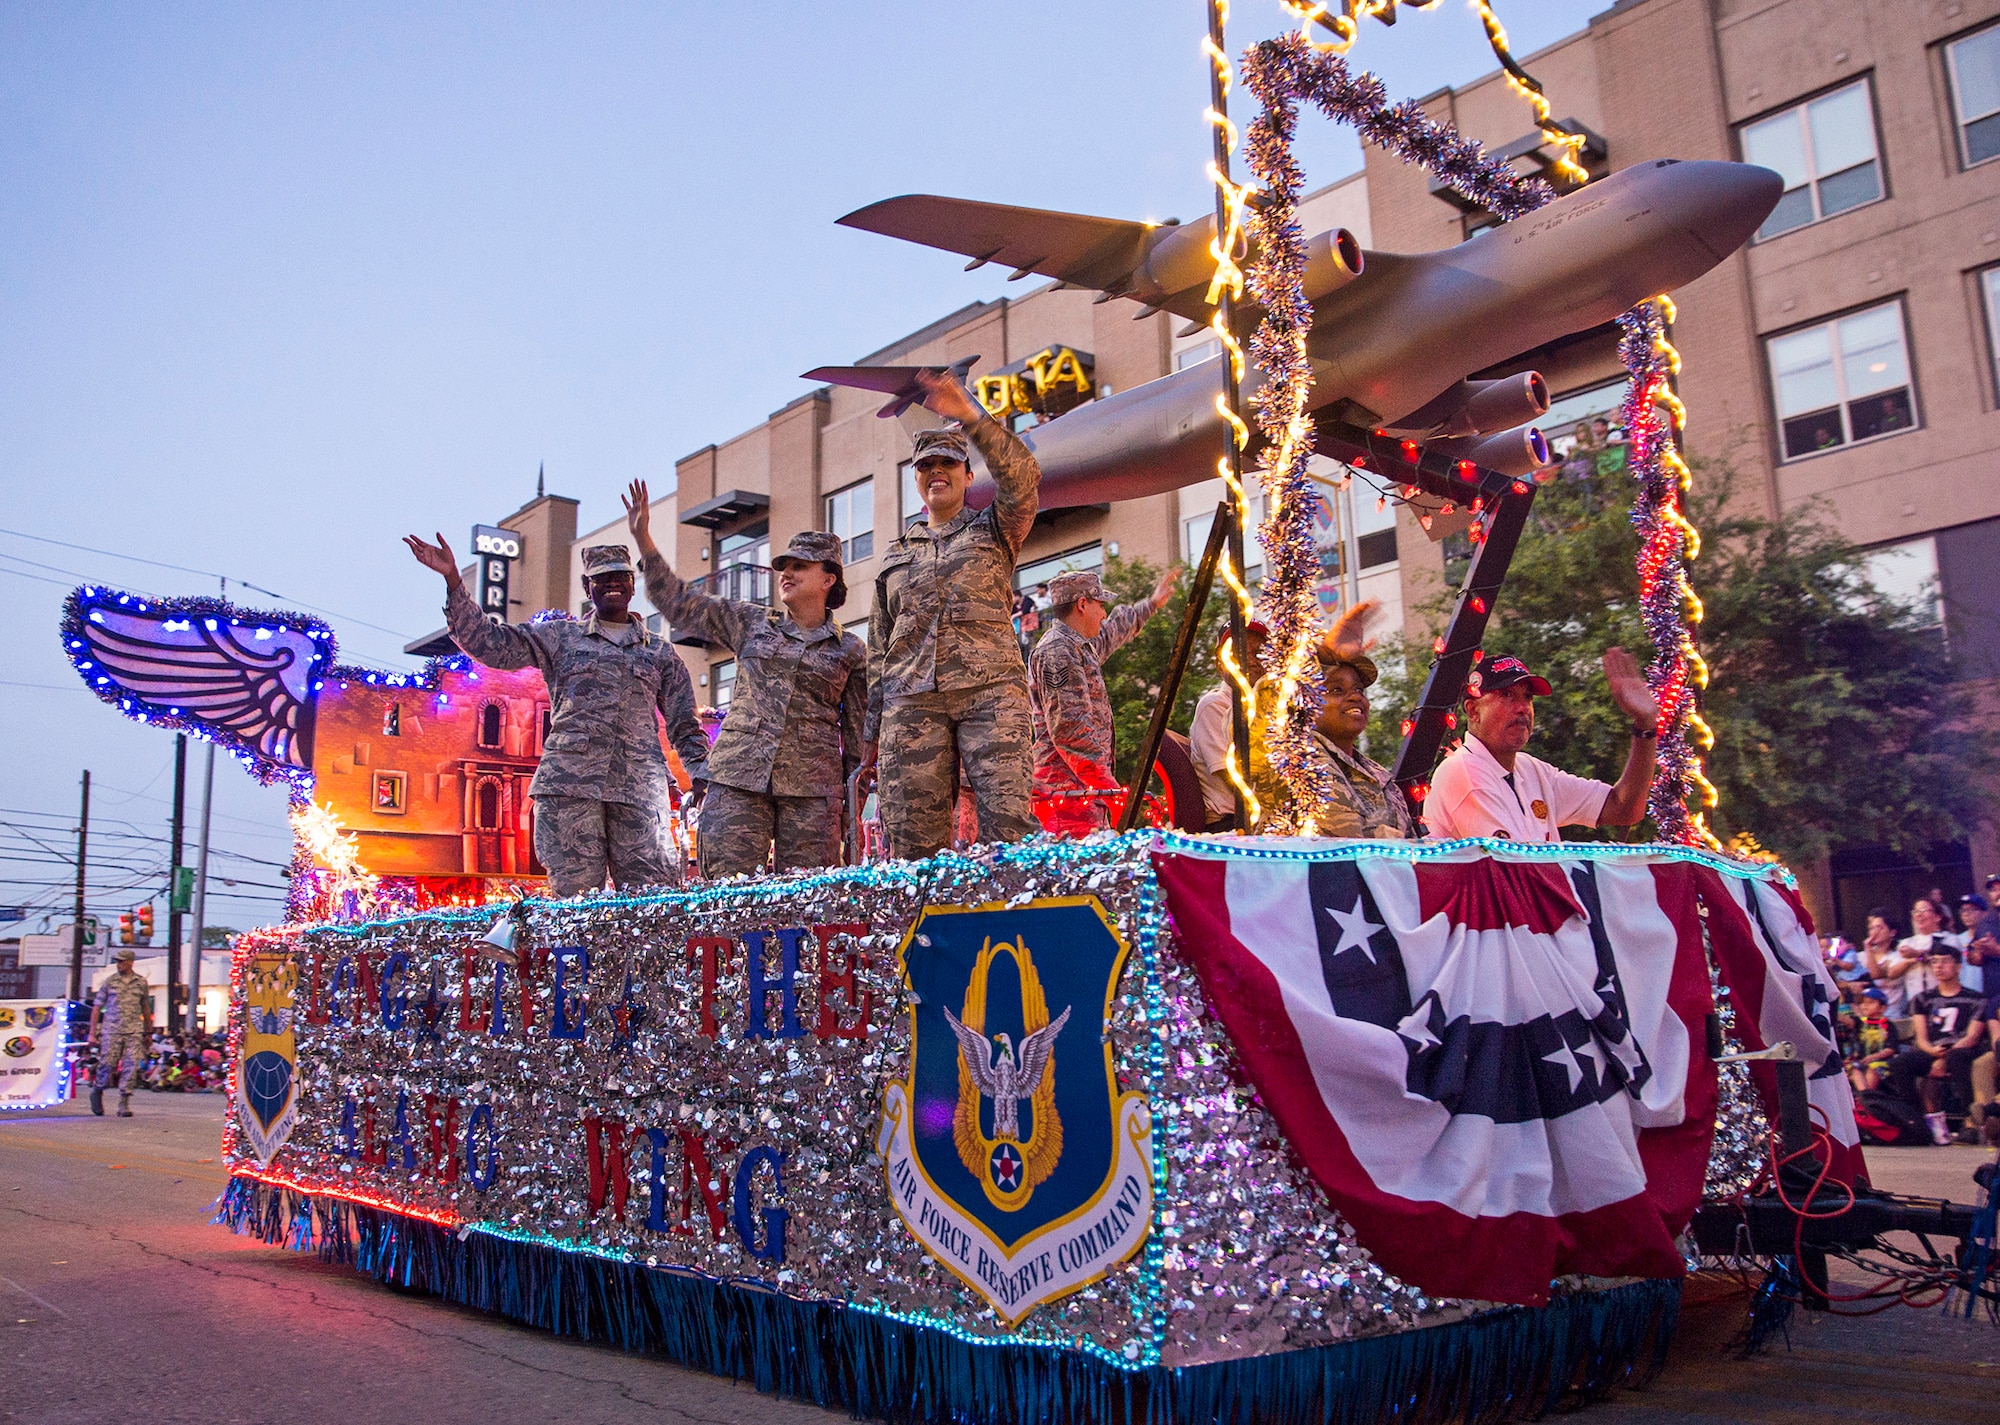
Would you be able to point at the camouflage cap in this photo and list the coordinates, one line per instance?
(947, 441)
(126, 955)
(1084, 584)
(812, 546)
(607, 559)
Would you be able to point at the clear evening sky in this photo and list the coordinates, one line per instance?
(279, 284)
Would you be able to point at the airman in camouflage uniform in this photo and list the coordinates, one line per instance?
(778, 772)
(121, 1025)
(600, 793)
(1072, 710)
(945, 676)
(1364, 800)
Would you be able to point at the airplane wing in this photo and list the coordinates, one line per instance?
(1104, 254)
(898, 382)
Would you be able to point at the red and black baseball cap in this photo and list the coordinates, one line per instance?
(1255, 626)
(1494, 675)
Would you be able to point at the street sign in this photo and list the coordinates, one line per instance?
(181, 895)
(56, 949)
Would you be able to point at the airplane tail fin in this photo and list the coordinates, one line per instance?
(899, 383)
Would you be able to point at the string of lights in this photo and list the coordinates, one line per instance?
(1566, 144)
(1229, 248)
(1654, 418)
(1282, 73)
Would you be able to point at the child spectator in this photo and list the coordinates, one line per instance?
(1949, 1030)
(1870, 1042)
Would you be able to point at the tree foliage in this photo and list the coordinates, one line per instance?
(1836, 717)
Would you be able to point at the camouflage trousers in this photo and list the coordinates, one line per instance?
(580, 839)
(739, 828)
(925, 736)
(120, 1056)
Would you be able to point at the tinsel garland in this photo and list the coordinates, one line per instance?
(1505, 1362)
(1667, 603)
(1284, 72)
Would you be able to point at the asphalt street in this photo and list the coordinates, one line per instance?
(122, 1303)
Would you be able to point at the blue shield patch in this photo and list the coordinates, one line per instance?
(1010, 1151)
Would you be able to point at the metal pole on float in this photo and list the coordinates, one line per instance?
(200, 895)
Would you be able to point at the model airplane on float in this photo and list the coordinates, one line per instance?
(1395, 338)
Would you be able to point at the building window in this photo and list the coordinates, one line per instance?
(1842, 381)
(542, 721)
(392, 721)
(850, 515)
(486, 805)
(722, 684)
(1030, 576)
(1973, 64)
(1194, 355)
(912, 505)
(750, 546)
(1194, 540)
(1824, 149)
(1906, 574)
(1989, 292)
(489, 725)
(859, 628)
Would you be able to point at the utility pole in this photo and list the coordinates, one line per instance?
(76, 931)
(200, 894)
(174, 873)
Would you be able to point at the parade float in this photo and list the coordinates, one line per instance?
(1148, 1126)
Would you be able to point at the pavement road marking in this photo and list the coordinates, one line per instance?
(45, 1305)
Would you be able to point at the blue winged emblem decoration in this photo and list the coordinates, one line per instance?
(244, 679)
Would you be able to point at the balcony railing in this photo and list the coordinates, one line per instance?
(749, 583)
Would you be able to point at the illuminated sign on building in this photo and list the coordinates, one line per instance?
(496, 549)
(1054, 380)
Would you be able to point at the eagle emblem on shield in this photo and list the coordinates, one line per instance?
(1011, 1152)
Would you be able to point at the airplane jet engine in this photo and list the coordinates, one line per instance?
(1516, 452)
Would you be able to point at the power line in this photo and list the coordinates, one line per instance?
(205, 573)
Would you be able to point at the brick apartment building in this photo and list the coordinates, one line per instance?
(1847, 356)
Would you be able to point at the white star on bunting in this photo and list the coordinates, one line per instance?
(1355, 929)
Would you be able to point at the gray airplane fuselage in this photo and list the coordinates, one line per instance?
(1412, 326)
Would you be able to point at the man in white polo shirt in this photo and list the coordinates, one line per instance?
(1490, 787)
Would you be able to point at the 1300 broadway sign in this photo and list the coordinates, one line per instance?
(1010, 1153)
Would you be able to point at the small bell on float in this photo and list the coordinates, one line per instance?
(505, 935)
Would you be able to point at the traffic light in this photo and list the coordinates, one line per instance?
(124, 930)
(142, 923)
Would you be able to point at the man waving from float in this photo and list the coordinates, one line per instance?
(793, 734)
(600, 793)
(1073, 732)
(946, 682)
(1490, 787)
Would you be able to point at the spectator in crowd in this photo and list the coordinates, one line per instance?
(1949, 1031)
(1986, 1074)
(1870, 1040)
(1909, 967)
(1878, 950)
(1603, 435)
(1843, 962)
(1210, 733)
(1979, 928)
(1027, 620)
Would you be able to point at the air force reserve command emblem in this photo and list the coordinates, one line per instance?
(1011, 1154)
(267, 1081)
